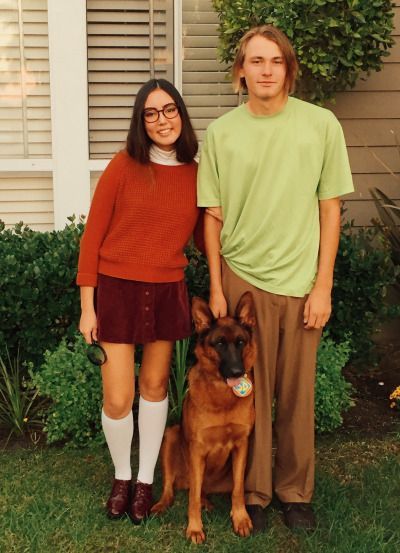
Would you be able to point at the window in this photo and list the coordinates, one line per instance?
(129, 41)
(25, 123)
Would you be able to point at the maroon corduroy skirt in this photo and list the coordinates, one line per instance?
(133, 312)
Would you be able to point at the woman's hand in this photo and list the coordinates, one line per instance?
(88, 325)
(218, 305)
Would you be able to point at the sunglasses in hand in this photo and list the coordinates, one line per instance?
(96, 354)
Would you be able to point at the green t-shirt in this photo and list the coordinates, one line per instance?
(268, 173)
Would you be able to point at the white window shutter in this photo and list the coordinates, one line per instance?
(120, 61)
(24, 80)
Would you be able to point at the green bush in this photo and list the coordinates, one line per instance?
(336, 41)
(73, 385)
(363, 271)
(39, 306)
(196, 273)
(39, 301)
(332, 392)
(38, 297)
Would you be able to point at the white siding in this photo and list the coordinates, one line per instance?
(94, 178)
(27, 197)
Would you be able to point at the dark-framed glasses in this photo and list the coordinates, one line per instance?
(151, 115)
(96, 354)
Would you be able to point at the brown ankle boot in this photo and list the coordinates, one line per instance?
(142, 501)
(299, 516)
(118, 502)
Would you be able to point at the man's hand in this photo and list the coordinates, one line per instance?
(318, 307)
(218, 305)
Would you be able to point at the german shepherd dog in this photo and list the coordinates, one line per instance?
(207, 452)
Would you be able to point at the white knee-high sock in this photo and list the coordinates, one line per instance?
(119, 433)
(151, 421)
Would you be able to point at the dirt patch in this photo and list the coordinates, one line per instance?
(371, 414)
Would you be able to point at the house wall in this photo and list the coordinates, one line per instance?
(29, 187)
(27, 197)
(368, 113)
(25, 120)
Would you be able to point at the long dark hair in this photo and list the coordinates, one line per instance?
(138, 142)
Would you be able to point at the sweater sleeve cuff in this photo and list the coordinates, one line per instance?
(86, 279)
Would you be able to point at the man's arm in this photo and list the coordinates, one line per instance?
(212, 232)
(318, 307)
(215, 212)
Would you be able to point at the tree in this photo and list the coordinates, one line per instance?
(336, 41)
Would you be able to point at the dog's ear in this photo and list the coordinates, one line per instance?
(245, 311)
(201, 314)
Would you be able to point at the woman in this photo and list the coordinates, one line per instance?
(132, 252)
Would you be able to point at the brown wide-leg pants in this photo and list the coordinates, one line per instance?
(285, 370)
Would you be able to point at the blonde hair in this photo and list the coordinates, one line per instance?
(275, 35)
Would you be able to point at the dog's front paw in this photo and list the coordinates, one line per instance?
(242, 525)
(160, 507)
(195, 534)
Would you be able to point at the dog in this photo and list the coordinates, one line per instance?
(207, 452)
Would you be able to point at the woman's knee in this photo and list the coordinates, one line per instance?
(153, 390)
(117, 407)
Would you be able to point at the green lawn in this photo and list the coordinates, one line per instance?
(52, 500)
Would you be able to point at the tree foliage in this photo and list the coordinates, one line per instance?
(336, 41)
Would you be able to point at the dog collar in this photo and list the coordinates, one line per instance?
(244, 388)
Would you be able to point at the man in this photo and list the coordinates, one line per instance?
(271, 173)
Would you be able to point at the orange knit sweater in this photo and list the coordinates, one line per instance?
(140, 220)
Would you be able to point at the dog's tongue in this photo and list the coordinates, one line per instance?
(233, 381)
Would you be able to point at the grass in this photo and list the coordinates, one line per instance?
(52, 500)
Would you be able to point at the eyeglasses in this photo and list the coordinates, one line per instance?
(151, 115)
(96, 354)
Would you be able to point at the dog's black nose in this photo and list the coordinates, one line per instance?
(236, 371)
(231, 362)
